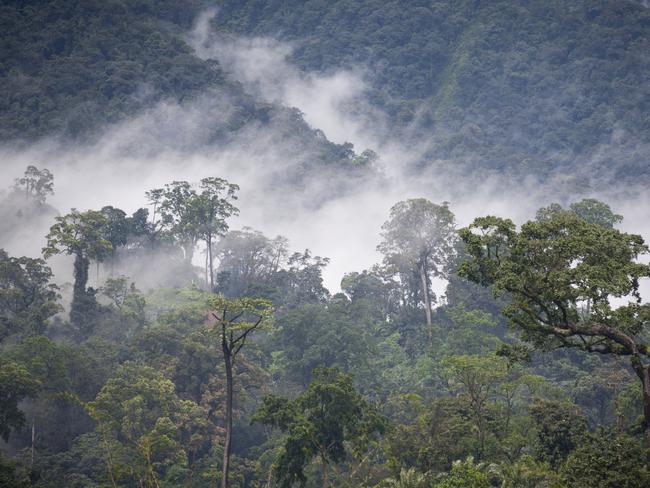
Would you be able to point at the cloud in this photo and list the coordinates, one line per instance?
(333, 215)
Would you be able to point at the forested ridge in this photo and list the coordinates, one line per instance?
(525, 87)
(522, 88)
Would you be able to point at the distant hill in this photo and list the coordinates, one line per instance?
(70, 67)
(520, 87)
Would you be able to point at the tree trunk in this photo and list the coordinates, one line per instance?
(425, 295)
(227, 357)
(325, 473)
(644, 376)
(210, 263)
(79, 299)
(31, 464)
(206, 270)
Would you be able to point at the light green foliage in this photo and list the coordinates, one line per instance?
(126, 300)
(465, 474)
(588, 209)
(561, 273)
(319, 423)
(147, 429)
(526, 472)
(408, 478)
(477, 379)
(79, 233)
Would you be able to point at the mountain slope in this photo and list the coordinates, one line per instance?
(513, 86)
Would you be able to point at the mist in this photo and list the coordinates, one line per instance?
(331, 214)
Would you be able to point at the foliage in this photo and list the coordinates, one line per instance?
(606, 460)
(465, 474)
(27, 298)
(492, 86)
(15, 384)
(318, 423)
(560, 427)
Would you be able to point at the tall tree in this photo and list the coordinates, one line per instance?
(233, 320)
(27, 298)
(588, 209)
(81, 234)
(562, 274)
(188, 215)
(419, 239)
(36, 183)
(209, 209)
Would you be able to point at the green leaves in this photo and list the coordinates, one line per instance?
(80, 233)
(561, 271)
(16, 383)
(319, 422)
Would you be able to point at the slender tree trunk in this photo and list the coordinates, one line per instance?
(31, 465)
(325, 472)
(227, 357)
(425, 295)
(644, 375)
(79, 295)
(210, 263)
(206, 269)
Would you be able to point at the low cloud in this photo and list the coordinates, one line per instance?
(332, 215)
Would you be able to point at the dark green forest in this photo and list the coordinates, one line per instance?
(167, 344)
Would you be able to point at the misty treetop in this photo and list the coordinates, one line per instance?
(236, 366)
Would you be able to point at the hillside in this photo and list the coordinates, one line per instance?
(71, 68)
(513, 86)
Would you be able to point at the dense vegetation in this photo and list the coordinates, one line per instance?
(523, 87)
(162, 348)
(247, 371)
(515, 86)
(71, 69)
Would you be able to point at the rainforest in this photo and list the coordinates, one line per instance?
(363, 244)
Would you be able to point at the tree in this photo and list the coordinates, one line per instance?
(27, 298)
(210, 208)
(81, 234)
(148, 432)
(188, 215)
(15, 385)
(477, 378)
(588, 209)
(319, 423)
(127, 300)
(560, 427)
(247, 261)
(606, 460)
(561, 274)
(465, 474)
(233, 320)
(419, 239)
(37, 183)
